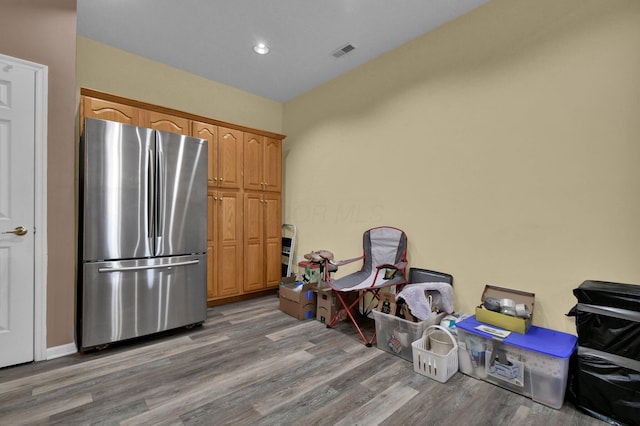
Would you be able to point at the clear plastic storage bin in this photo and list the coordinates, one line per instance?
(535, 364)
(395, 335)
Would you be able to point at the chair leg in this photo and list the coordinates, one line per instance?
(346, 310)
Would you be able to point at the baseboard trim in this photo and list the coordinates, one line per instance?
(225, 300)
(63, 350)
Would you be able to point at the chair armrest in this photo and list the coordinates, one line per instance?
(400, 266)
(347, 261)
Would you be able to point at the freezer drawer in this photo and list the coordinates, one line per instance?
(131, 298)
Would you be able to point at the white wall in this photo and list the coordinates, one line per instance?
(506, 145)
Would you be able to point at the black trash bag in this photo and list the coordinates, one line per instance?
(604, 374)
(603, 293)
(608, 317)
(604, 390)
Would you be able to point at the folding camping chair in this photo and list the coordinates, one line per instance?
(384, 265)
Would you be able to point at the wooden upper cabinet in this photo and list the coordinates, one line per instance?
(225, 153)
(230, 148)
(166, 122)
(108, 110)
(262, 163)
(253, 161)
(208, 132)
(272, 169)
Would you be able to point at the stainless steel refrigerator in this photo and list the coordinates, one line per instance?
(143, 232)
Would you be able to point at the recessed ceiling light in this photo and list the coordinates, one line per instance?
(261, 49)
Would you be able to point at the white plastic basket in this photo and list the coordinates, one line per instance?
(431, 364)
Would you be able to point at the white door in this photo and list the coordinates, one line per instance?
(17, 217)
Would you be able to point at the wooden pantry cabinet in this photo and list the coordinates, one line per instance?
(225, 243)
(244, 233)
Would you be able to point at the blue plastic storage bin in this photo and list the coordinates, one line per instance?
(535, 364)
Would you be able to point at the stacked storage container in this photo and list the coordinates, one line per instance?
(396, 335)
(604, 377)
(535, 364)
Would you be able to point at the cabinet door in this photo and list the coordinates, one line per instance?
(166, 122)
(253, 242)
(272, 166)
(230, 149)
(211, 280)
(263, 241)
(107, 110)
(272, 208)
(225, 244)
(253, 161)
(208, 132)
(211, 247)
(229, 243)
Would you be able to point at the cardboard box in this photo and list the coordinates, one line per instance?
(508, 322)
(299, 301)
(405, 313)
(387, 303)
(288, 280)
(322, 285)
(328, 304)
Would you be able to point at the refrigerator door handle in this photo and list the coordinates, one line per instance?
(139, 268)
(161, 199)
(151, 195)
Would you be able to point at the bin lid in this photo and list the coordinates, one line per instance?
(538, 339)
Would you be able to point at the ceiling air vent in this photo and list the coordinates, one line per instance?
(343, 50)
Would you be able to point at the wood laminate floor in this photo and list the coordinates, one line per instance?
(250, 364)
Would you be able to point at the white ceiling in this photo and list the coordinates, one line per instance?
(215, 38)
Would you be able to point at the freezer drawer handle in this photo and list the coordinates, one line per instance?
(138, 268)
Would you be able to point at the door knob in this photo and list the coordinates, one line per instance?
(20, 230)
